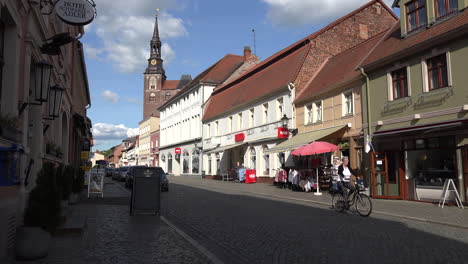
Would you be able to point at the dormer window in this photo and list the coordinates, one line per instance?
(445, 7)
(416, 15)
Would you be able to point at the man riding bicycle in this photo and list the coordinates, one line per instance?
(344, 180)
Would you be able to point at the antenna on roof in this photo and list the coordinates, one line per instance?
(255, 46)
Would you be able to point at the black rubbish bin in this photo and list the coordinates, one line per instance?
(146, 191)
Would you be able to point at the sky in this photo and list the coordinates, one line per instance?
(195, 34)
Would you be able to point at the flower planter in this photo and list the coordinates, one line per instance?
(32, 243)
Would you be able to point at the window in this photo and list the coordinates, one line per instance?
(186, 162)
(318, 111)
(216, 128)
(230, 124)
(348, 103)
(168, 95)
(266, 161)
(253, 159)
(251, 117)
(169, 163)
(280, 108)
(152, 83)
(195, 161)
(265, 113)
(156, 144)
(399, 83)
(445, 7)
(152, 97)
(415, 15)
(208, 130)
(437, 72)
(239, 121)
(308, 114)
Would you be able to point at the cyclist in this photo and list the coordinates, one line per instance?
(344, 178)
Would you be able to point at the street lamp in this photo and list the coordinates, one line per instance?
(284, 124)
(42, 72)
(55, 100)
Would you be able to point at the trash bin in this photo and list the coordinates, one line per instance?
(250, 176)
(146, 191)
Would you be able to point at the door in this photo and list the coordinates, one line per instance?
(385, 175)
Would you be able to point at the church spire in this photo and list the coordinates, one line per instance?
(155, 62)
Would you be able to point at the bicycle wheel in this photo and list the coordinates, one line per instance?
(339, 203)
(363, 204)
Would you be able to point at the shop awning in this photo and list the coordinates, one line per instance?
(261, 140)
(223, 148)
(302, 139)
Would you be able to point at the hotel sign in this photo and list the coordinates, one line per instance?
(75, 12)
(177, 150)
(239, 137)
(283, 132)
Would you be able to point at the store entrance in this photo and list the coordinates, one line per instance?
(385, 175)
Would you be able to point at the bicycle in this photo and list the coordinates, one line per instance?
(361, 201)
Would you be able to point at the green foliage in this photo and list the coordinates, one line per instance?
(78, 180)
(44, 200)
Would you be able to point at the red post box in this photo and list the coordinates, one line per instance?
(250, 176)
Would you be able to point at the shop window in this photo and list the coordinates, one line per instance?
(416, 15)
(437, 72)
(399, 87)
(185, 163)
(253, 159)
(218, 163)
(195, 161)
(445, 7)
(209, 164)
(266, 161)
(169, 163)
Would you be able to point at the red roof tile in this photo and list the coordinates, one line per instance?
(270, 78)
(337, 70)
(170, 84)
(215, 74)
(392, 45)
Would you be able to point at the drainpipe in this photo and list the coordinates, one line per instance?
(367, 101)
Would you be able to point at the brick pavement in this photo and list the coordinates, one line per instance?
(241, 227)
(426, 212)
(112, 236)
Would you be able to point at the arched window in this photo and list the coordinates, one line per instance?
(168, 95)
(218, 163)
(266, 161)
(195, 161)
(186, 162)
(209, 164)
(169, 163)
(253, 158)
(152, 97)
(163, 158)
(152, 83)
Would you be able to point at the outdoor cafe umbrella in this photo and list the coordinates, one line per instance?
(314, 148)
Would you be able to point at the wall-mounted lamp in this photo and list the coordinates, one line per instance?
(42, 71)
(55, 100)
(380, 123)
(465, 108)
(284, 124)
(416, 117)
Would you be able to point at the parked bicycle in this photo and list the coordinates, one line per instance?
(361, 201)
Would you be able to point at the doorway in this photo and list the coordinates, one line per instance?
(386, 175)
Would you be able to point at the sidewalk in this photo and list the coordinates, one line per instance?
(424, 212)
(112, 236)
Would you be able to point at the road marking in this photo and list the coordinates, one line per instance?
(202, 249)
(424, 220)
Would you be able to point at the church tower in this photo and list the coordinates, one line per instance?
(155, 77)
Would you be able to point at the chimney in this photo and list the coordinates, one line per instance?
(247, 53)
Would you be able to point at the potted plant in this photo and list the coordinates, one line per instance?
(41, 216)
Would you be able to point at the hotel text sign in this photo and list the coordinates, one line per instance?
(75, 12)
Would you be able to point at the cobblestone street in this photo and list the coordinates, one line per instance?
(241, 228)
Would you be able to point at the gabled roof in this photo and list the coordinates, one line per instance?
(393, 47)
(260, 82)
(338, 69)
(170, 84)
(215, 74)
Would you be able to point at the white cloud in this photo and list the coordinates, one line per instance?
(92, 53)
(132, 100)
(110, 96)
(104, 132)
(302, 12)
(126, 34)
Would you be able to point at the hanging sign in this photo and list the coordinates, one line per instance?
(75, 12)
(239, 137)
(178, 150)
(283, 132)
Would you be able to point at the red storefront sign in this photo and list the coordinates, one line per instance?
(250, 176)
(283, 132)
(178, 150)
(239, 137)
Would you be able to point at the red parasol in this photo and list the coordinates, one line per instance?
(316, 147)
